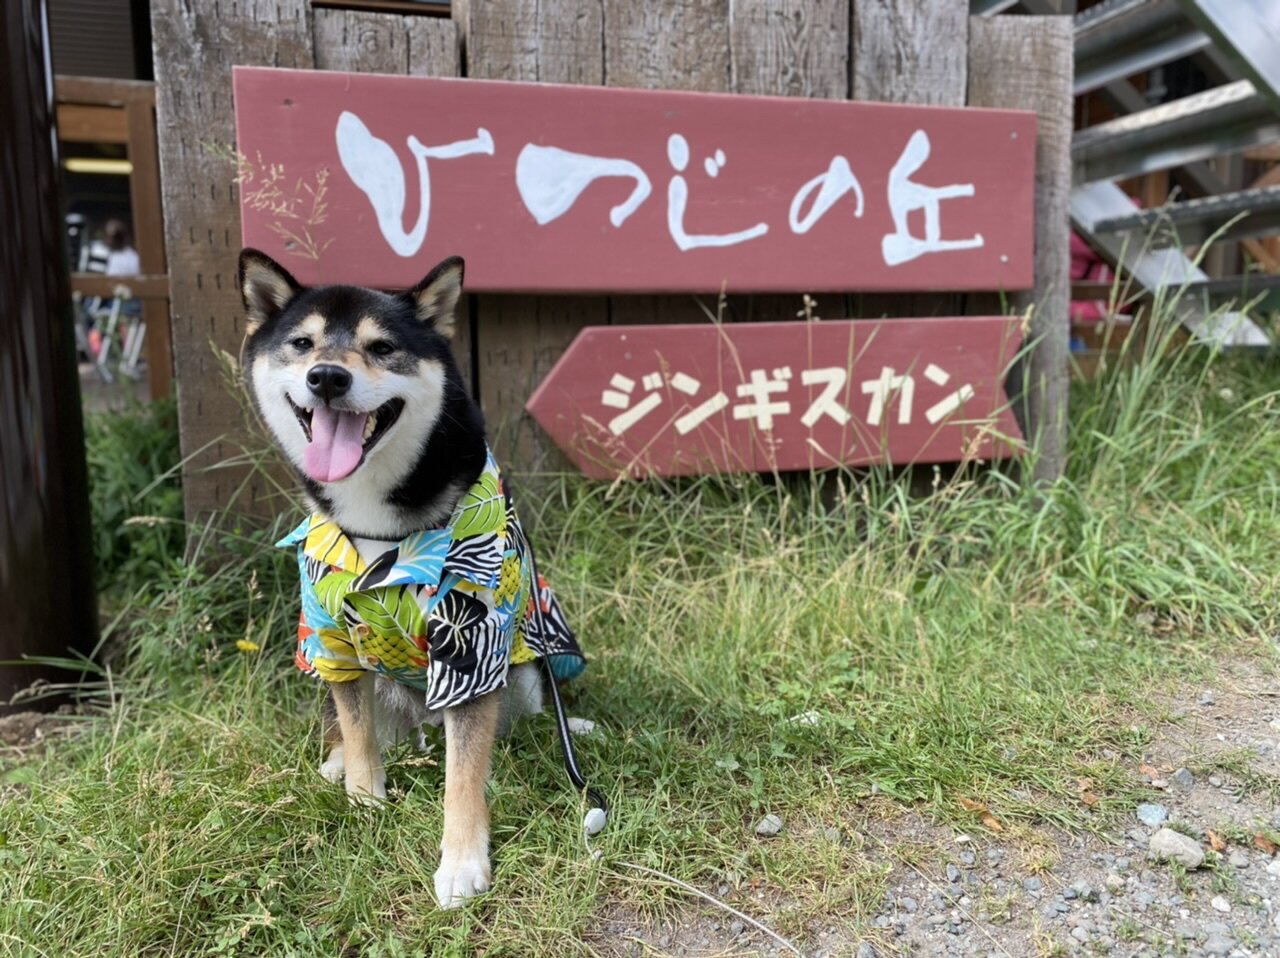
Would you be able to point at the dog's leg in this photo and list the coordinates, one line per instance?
(361, 757)
(333, 768)
(469, 731)
(522, 696)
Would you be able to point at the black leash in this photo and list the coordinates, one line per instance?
(570, 757)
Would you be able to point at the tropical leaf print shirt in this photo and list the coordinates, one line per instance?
(446, 610)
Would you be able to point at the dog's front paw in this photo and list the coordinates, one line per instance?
(333, 769)
(367, 789)
(460, 877)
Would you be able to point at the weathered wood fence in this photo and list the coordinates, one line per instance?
(902, 51)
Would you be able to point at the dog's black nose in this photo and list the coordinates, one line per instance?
(328, 381)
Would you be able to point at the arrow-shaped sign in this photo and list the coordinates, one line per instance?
(759, 397)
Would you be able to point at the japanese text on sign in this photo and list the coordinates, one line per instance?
(677, 399)
(540, 187)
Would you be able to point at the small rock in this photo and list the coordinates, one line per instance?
(1168, 844)
(1152, 815)
(1218, 945)
(806, 718)
(953, 873)
(1183, 779)
(1122, 863)
(736, 927)
(1215, 781)
(1032, 884)
(1079, 934)
(832, 834)
(994, 856)
(1238, 859)
(1206, 697)
(1114, 882)
(580, 726)
(1084, 891)
(967, 858)
(1220, 904)
(866, 950)
(1184, 931)
(770, 825)
(1273, 868)
(909, 905)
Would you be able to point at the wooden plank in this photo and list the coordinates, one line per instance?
(1038, 50)
(83, 123)
(196, 46)
(667, 44)
(904, 51)
(102, 91)
(430, 8)
(552, 41)
(764, 397)
(519, 338)
(557, 188)
(787, 48)
(366, 42)
(148, 230)
(363, 42)
(790, 48)
(141, 287)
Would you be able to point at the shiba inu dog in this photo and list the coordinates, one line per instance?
(421, 598)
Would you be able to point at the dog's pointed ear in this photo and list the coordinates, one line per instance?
(435, 299)
(266, 287)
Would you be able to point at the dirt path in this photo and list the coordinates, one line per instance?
(1043, 894)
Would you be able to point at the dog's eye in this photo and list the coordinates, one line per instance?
(302, 344)
(381, 347)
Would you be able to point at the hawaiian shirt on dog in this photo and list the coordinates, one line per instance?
(447, 610)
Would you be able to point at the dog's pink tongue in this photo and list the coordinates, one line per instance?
(337, 440)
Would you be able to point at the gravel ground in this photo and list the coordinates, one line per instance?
(979, 894)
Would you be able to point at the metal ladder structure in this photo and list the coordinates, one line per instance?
(1117, 39)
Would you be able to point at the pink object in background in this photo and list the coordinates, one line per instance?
(1088, 266)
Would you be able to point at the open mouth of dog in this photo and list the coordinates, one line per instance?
(339, 439)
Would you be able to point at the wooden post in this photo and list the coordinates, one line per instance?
(148, 232)
(46, 556)
(196, 45)
(1038, 51)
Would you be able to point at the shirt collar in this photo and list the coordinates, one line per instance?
(472, 544)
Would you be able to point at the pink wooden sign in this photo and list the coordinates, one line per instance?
(374, 179)
(682, 400)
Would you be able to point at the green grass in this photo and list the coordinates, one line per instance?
(985, 642)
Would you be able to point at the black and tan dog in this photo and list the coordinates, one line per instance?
(421, 599)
